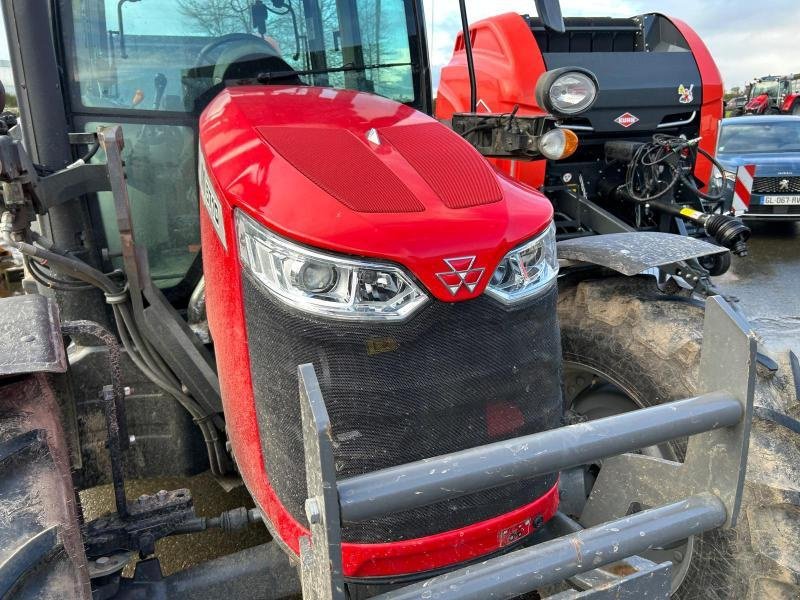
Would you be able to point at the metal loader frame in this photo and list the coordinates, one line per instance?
(638, 502)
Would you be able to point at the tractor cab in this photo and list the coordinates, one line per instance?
(152, 67)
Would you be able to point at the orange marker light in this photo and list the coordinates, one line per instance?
(557, 144)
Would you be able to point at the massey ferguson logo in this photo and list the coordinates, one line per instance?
(626, 119)
(461, 273)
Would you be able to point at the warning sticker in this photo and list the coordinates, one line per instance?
(691, 213)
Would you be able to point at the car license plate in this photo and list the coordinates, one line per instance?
(781, 200)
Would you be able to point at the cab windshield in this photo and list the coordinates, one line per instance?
(770, 88)
(162, 54)
(153, 65)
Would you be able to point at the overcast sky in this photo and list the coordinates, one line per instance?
(747, 39)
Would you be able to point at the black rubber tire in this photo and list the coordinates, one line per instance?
(716, 264)
(650, 344)
(796, 108)
(41, 552)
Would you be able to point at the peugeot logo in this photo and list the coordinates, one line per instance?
(462, 273)
(783, 184)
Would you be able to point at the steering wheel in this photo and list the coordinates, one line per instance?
(229, 38)
(246, 57)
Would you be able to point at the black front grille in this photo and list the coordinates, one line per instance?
(776, 185)
(454, 376)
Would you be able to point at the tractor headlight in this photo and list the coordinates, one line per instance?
(526, 271)
(325, 284)
(567, 92)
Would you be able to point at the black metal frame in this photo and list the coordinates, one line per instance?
(681, 499)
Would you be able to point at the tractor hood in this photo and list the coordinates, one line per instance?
(358, 174)
(758, 102)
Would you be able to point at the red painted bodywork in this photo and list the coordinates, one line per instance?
(250, 175)
(789, 102)
(508, 63)
(757, 105)
(713, 108)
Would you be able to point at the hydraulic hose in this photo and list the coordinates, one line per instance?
(151, 365)
(654, 168)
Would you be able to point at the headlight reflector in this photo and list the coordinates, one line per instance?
(572, 93)
(527, 271)
(567, 91)
(325, 284)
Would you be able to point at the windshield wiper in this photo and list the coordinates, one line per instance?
(273, 75)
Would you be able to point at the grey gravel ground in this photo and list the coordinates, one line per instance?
(767, 283)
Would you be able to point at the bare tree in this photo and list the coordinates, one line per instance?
(218, 17)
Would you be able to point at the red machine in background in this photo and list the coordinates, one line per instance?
(774, 94)
(791, 100)
(656, 98)
(654, 74)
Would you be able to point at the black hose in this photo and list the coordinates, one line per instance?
(48, 281)
(689, 181)
(91, 152)
(128, 331)
(473, 85)
(644, 179)
(71, 266)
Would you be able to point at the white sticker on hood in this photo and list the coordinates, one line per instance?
(210, 200)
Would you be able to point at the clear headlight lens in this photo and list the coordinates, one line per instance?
(572, 93)
(526, 271)
(325, 284)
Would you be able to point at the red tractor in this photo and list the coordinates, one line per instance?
(774, 95)
(791, 100)
(362, 322)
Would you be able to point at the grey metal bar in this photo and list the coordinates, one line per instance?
(544, 564)
(321, 554)
(425, 482)
(652, 584)
(561, 524)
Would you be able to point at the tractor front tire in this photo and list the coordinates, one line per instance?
(41, 551)
(646, 346)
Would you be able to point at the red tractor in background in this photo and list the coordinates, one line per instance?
(791, 100)
(774, 94)
(250, 249)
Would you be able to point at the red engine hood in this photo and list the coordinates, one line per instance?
(757, 102)
(359, 174)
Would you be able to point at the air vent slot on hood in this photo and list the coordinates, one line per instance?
(450, 165)
(336, 161)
